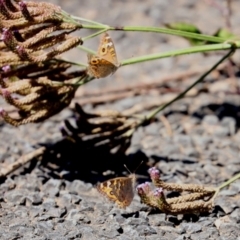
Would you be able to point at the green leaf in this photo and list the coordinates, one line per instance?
(223, 33)
(187, 27)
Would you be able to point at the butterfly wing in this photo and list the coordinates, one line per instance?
(106, 49)
(105, 62)
(100, 67)
(118, 190)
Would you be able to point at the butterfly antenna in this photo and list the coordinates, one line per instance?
(127, 168)
(135, 169)
(139, 166)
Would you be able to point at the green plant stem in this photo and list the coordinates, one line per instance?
(95, 34)
(196, 49)
(88, 21)
(85, 49)
(159, 30)
(175, 32)
(182, 94)
(231, 180)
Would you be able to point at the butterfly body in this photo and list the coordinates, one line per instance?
(105, 62)
(119, 190)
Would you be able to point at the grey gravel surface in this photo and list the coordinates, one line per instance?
(55, 198)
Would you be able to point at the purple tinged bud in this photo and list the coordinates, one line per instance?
(6, 68)
(146, 187)
(2, 2)
(22, 5)
(21, 52)
(24, 10)
(8, 39)
(20, 49)
(2, 112)
(158, 192)
(5, 93)
(140, 186)
(154, 173)
(143, 188)
(151, 169)
(140, 189)
(6, 35)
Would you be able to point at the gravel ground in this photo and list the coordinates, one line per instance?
(55, 197)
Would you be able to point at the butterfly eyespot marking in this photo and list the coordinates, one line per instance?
(105, 61)
(103, 50)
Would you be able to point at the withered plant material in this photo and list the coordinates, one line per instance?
(200, 198)
(32, 78)
(21, 161)
(109, 128)
(155, 177)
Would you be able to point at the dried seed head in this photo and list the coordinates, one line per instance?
(33, 34)
(30, 29)
(22, 53)
(11, 6)
(24, 10)
(8, 39)
(3, 10)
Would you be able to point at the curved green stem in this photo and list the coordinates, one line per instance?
(181, 95)
(88, 21)
(159, 30)
(175, 32)
(231, 180)
(95, 34)
(196, 49)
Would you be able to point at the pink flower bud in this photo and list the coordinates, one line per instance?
(6, 68)
(22, 53)
(154, 173)
(2, 112)
(158, 192)
(24, 10)
(5, 92)
(143, 188)
(8, 38)
(6, 34)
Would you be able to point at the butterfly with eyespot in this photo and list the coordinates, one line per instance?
(105, 61)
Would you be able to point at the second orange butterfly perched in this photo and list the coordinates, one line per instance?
(105, 62)
(119, 190)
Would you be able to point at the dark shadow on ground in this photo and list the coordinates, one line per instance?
(71, 161)
(80, 160)
(221, 111)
